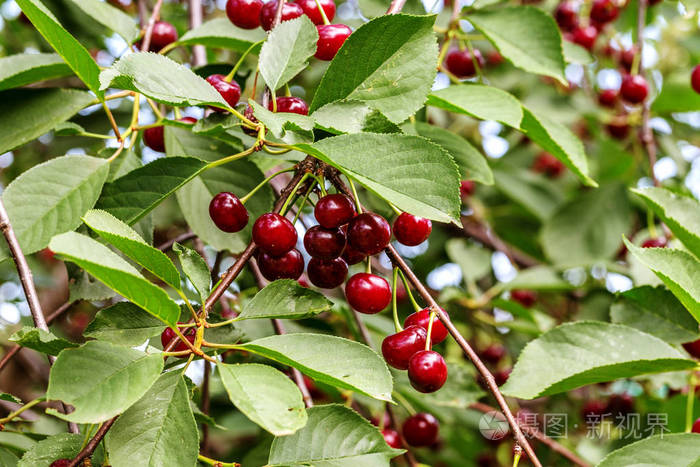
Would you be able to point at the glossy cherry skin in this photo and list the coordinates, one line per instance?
(547, 164)
(420, 429)
(324, 243)
(368, 293)
(295, 105)
(267, 13)
(658, 242)
(526, 298)
(693, 348)
(398, 348)
(154, 138)
(427, 371)
(604, 11)
(231, 92)
(288, 266)
(412, 230)
(352, 256)
(228, 213)
(422, 318)
(369, 233)
(334, 210)
(311, 9)
(460, 63)
(493, 353)
(391, 437)
(566, 15)
(634, 89)
(168, 335)
(274, 234)
(585, 36)
(163, 34)
(695, 79)
(608, 97)
(466, 188)
(244, 13)
(60, 463)
(330, 39)
(327, 273)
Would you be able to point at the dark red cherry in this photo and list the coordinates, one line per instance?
(493, 353)
(327, 273)
(334, 210)
(460, 63)
(420, 429)
(620, 405)
(593, 410)
(324, 243)
(693, 348)
(566, 15)
(657, 242)
(244, 13)
(288, 266)
(547, 164)
(466, 188)
(412, 230)
(188, 120)
(526, 298)
(618, 128)
(168, 334)
(422, 318)
(627, 58)
(398, 348)
(634, 89)
(295, 105)
(369, 233)
(154, 138)
(427, 371)
(60, 463)
(330, 39)
(274, 234)
(608, 97)
(231, 92)
(311, 9)
(494, 58)
(228, 213)
(695, 79)
(163, 34)
(604, 11)
(368, 293)
(267, 13)
(501, 376)
(352, 256)
(585, 36)
(391, 437)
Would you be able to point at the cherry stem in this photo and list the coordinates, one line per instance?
(231, 158)
(403, 402)
(215, 463)
(263, 183)
(323, 12)
(516, 456)
(293, 192)
(358, 205)
(238, 64)
(475, 61)
(301, 206)
(17, 412)
(407, 286)
(394, 308)
(689, 404)
(428, 340)
(112, 121)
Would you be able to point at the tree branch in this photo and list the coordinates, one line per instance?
(396, 6)
(93, 443)
(146, 42)
(199, 53)
(484, 234)
(645, 133)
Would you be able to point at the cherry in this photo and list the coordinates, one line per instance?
(608, 97)
(228, 213)
(163, 34)
(412, 230)
(460, 63)
(154, 138)
(391, 437)
(604, 11)
(593, 410)
(422, 318)
(493, 353)
(60, 463)
(352, 256)
(274, 234)
(420, 429)
(618, 129)
(634, 89)
(657, 242)
(267, 13)
(231, 92)
(324, 243)
(695, 79)
(620, 405)
(398, 348)
(375, 420)
(188, 120)
(244, 13)
(295, 105)
(368, 293)
(501, 376)
(369, 233)
(526, 298)
(549, 165)
(168, 335)
(334, 210)
(330, 39)
(693, 348)
(311, 9)
(427, 371)
(494, 58)
(288, 266)
(327, 273)
(585, 36)
(566, 15)
(466, 188)
(626, 58)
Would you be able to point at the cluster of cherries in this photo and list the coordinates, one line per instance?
(419, 430)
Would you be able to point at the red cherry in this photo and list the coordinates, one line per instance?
(369, 233)
(626, 58)
(244, 13)
(327, 273)
(501, 376)
(618, 129)
(658, 242)
(493, 353)
(526, 298)
(334, 210)
(549, 165)
(60, 463)
(168, 335)
(154, 138)
(585, 36)
(391, 437)
(412, 230)
(267, 13)
(593, 410)
(324, 243)
(620, 405)
(608, 97)
(427, 371)
(163, 34)
(368, 293)
(634, 89)
(231, 92)
(274, 234)
(604, 11)
(295, 105)
(288, 266)
(228, 213)
(311, 9)
(695, 79)
(189, 120)
(653, 2)
(330, 39)
(460, 63)
(566, 15)
(352, 256)
(695, 429)
(386, 419)
(422, 318)
(494, 58)
(420, 429)
(466, 188)
(693, 348)
(398, 348)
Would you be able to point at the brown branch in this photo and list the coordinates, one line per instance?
(484, 234)
(179, 239)
(646, 135)
(396, 6)
(93, 443)
(199, 53)
(146, 42)
(205, 406)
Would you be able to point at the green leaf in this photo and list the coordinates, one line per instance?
(285, 299)
(587, 352)
(479, 101)
(76, 56)
(18, 70)
(125, 324)
(10, 398)
(587, 229)
(158, 430)
(666, 449)
(657, 312)
(266, 396)
(332, 360)
(116, 273)
(195, 268)
(474, 260)
(60, 446)
(349, 116)
(676, 94)
(528, 189)
(68, 129)
(290, 127)
(135, 194)
(287, 50)
(7, 458)
(41, 341)
(26, 114)
(416, 175)
(538, 278)
(161, 79)
(574, 53)
(101, 380)
(110, 17)
(334, 436)
(393, 78)
(526, 36)
(221, 33)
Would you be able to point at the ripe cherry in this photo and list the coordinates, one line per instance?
(274, 234)
(494, 58)
(412, 230)
(608, 97)
(369, 233)
(368, 293)
(634, 89)
(398, 348)
(295, 105)
(420, 429)
(695, 79)
(695, 429)
(466, 188)
(656, 242)
(422, 318)
(228, 213)
(324, 243)
(620, 405)
(693, 348)
(288, 266)
(391, 437)
(547, 164)
(231, 92)
(244, 13)
(501, 376)
(460, 63)
(618, 128)
(60, 463)
(267, 13)
(154, 138)
(311, 9)
(493, 353)
(593, 410)
(604, 11)
(334, 210)
(626, 58)
(352, 256)
(585, 36)
(526, 298)
(427, 371)
(330, 39)
(163, 34)
(168, 335)
(566, 15)
(327, 273)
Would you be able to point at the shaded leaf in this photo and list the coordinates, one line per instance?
(221, 33)
(110, 17)
(18, 70)
(538, 278)
(60, 446)
(479, 101)
(676, 94)
(287, 50)
(539, 197)
(348, 116)
(290, 127)
(574, 53)
(474, 260)
(41, 341)
(667, 449)
(285, 299)
(125, 324)
(195, 268)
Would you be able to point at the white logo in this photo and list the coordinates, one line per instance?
(493, 425)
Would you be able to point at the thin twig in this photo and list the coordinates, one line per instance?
(146, 42)
(199, 53)
(485, 234)
(206, 402)
(179, 239)
(396, 6)
(93, 443)
(645, 133)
